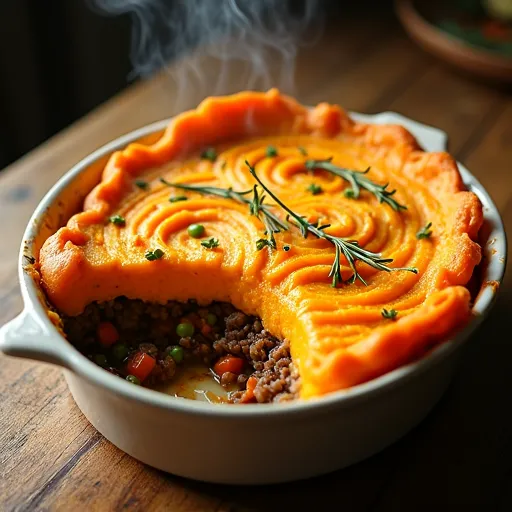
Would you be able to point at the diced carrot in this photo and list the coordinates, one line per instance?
(206, 329)
(107, 334)
(141, 365)
(229, 364)
(248, 395)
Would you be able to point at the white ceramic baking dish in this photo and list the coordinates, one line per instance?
(188, 438)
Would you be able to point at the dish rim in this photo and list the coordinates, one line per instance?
(71, 359)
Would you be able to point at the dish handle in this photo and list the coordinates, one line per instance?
(24, 336)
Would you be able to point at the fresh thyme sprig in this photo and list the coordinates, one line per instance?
(358, 180)
(273, 224)
(348, 248)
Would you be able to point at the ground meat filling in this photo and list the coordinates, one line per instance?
(150, 343)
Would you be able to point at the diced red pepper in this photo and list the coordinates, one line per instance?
(141, 365)
(107, 334)
(229, 364)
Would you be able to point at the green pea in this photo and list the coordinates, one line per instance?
(119, 351)
(133, 379)
(100, 359)
(176, 352)
(211, 319)
(185, 330)
(196, 230)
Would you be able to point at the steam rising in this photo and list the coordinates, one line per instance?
(228, 44)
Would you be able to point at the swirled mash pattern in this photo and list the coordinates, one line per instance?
(338, 336)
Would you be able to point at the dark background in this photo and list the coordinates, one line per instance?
(60, 59)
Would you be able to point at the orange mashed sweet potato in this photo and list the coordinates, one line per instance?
(338, 336)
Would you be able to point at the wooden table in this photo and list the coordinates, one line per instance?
(52, 459)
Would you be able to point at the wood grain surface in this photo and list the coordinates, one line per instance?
(460, 456)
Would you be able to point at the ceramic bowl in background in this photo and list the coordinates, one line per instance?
(457, 53)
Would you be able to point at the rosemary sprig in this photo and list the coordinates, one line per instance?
(357, 181)
(348, 248)
(273, 224)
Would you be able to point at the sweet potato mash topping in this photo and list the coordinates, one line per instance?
(141, 238)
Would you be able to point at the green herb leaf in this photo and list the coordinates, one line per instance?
(315, 189)
(271, 151)
(302, 151)
(424, 232)
(176, 199)
(263, 242)
(357, 181)
(209, 154)
(154, 255)
(210, 243)
(389, 314)
(143, 185)
(118, 220)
